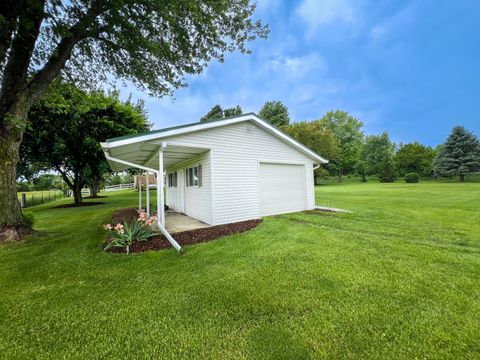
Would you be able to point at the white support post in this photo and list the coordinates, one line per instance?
(147, 184)
(160, 208)
(160, 192)
(139, 192)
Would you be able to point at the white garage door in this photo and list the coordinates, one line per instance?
(282, 188)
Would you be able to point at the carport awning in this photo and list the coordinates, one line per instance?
(147, 154)
(154, 156)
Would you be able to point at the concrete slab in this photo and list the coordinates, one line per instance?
(176, 222)
(326, 208)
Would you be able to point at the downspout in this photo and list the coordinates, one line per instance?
(147, 197)
(157, 172)
(139, 177)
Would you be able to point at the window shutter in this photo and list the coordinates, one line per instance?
(200, 175)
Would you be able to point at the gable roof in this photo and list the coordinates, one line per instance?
(199, 126)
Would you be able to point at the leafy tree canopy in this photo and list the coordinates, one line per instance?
(66, 126)
(150, 43)
(218, 113)
(314, 135)
(415, 158)
(377, 157)
(349, 135)
(233, 111)
(275, 112)
(459, 155)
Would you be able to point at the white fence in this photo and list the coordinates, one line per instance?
(84, 191)
(119, 187)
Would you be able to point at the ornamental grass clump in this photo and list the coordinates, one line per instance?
(124, 234)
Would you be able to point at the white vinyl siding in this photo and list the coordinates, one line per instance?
(233, 170)
(197, 200)
(282, 188)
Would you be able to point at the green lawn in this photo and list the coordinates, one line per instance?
(398, 278)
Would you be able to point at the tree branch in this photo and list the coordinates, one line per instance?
(21, 49)
(64, 175)
(63, 51)
(9, 10)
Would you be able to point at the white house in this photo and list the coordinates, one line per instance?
(222, 171)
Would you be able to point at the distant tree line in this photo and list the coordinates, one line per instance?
(339, 137)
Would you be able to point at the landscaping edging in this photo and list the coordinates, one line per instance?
(189, 237)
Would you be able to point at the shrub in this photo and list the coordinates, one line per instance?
(412, 178)
(123, 235)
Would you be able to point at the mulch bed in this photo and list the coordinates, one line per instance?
(96, 197)
(124, 215)
(81, 205)
(191, 237)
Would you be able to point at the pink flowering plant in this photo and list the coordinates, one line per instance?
(123, 235)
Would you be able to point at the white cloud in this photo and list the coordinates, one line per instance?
(317, 13)
(394, 26)
(295, 68)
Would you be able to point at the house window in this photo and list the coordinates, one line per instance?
(172, 179)
(194, 176)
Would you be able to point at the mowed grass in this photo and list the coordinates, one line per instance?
(398, 278)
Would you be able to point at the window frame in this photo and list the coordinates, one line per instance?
(172, 179)
(194, 176)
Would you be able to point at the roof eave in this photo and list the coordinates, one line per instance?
(212, 124)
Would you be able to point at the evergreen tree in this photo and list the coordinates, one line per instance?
(459, 155)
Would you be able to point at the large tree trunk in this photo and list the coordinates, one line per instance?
(11, 135)
(339, 176)
(77, 192)
(19, 31)
(94, 190)
(15, 101)
(75, 184)
(10, 212)
(462, 178)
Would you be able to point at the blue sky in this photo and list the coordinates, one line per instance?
(409, 67)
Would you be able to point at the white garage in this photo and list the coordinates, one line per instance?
(282, 188)
(221, 171)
